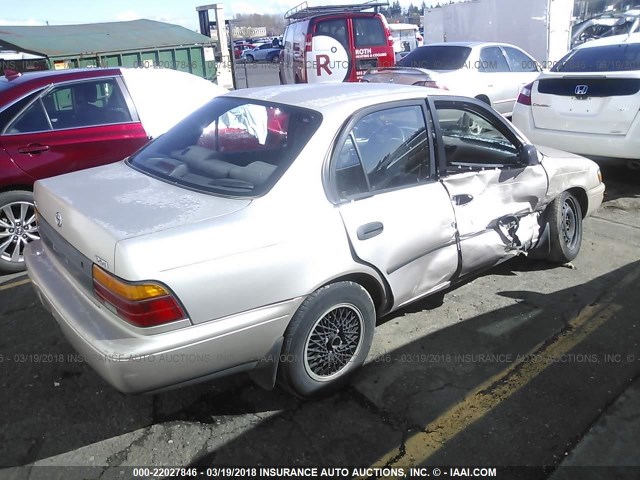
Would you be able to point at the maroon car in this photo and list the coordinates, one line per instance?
(54, 122)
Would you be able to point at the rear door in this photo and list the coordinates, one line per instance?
(329, 60)
(496, 81)
(372, 47)
(73, 126)
(524, 69)
(398, 218)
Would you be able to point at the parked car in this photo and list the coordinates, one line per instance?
(53, 122)
(239, 47)
(588, 103)
(270, 229)
(605, 25)
(334, 43)
(491, 72)
(264, 52)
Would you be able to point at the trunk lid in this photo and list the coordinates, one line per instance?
(399, 75)
(586, 103)
(95, 209)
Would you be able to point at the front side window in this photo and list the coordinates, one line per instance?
(519, 61)
(75, 105)
(385, 149)
(85, 104)
(473, 141)
(230, 147)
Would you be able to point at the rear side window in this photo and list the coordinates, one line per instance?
(492, 60)
(334, 28)
(369, 32)
(437, 58)
(230, 147)
(385, 149)
(607, 58)
(520, 62)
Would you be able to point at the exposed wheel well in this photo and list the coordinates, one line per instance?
(12, 188)
(379, 294)
(582, 198)
(484, 98)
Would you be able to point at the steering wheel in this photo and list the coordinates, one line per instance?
(468, 125)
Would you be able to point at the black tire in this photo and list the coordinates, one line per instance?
(274, 58)
(565, 228)
(346, 306)
(250, 59)
(17, 228)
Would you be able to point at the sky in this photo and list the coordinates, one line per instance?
(180, 12)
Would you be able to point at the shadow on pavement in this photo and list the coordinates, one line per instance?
(56, 405)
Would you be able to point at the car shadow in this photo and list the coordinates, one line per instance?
(621, 182)
(58, 404)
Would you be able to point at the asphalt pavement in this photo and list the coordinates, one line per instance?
(530, 369)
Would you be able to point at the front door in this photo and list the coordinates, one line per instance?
(398, 218)
(494, 195)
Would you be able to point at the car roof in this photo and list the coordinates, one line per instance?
(71, 73)
(467, 44)
(338, 98)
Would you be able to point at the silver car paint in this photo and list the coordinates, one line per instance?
(496, 194)
(246, 264)
(133, 362)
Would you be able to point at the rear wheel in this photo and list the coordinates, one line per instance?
(17, 228)
(327, 340)
(565, 228)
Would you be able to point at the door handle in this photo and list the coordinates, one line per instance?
(370, 230)
(33, 149)
(462, 199)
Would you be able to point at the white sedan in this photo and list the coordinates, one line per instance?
(588, 103)
(270, 229)
(491, 72)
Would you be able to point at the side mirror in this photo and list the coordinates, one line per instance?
(529, 155)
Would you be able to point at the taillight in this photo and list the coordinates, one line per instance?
(308, 42)
(431, 84)
(525, 95)
(141, 304)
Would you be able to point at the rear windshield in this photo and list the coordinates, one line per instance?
(369, 32)
(230, 147)
(608, 58)
(437, 57)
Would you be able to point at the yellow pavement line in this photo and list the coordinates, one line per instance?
(14, 284)
(422, 445)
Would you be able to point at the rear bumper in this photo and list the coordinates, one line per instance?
(608, 148)
(136, 363)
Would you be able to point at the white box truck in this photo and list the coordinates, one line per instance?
(540, 27)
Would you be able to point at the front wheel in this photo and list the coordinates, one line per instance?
(565, 228)
(17, 228)
(250, 59)
(327, 340)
